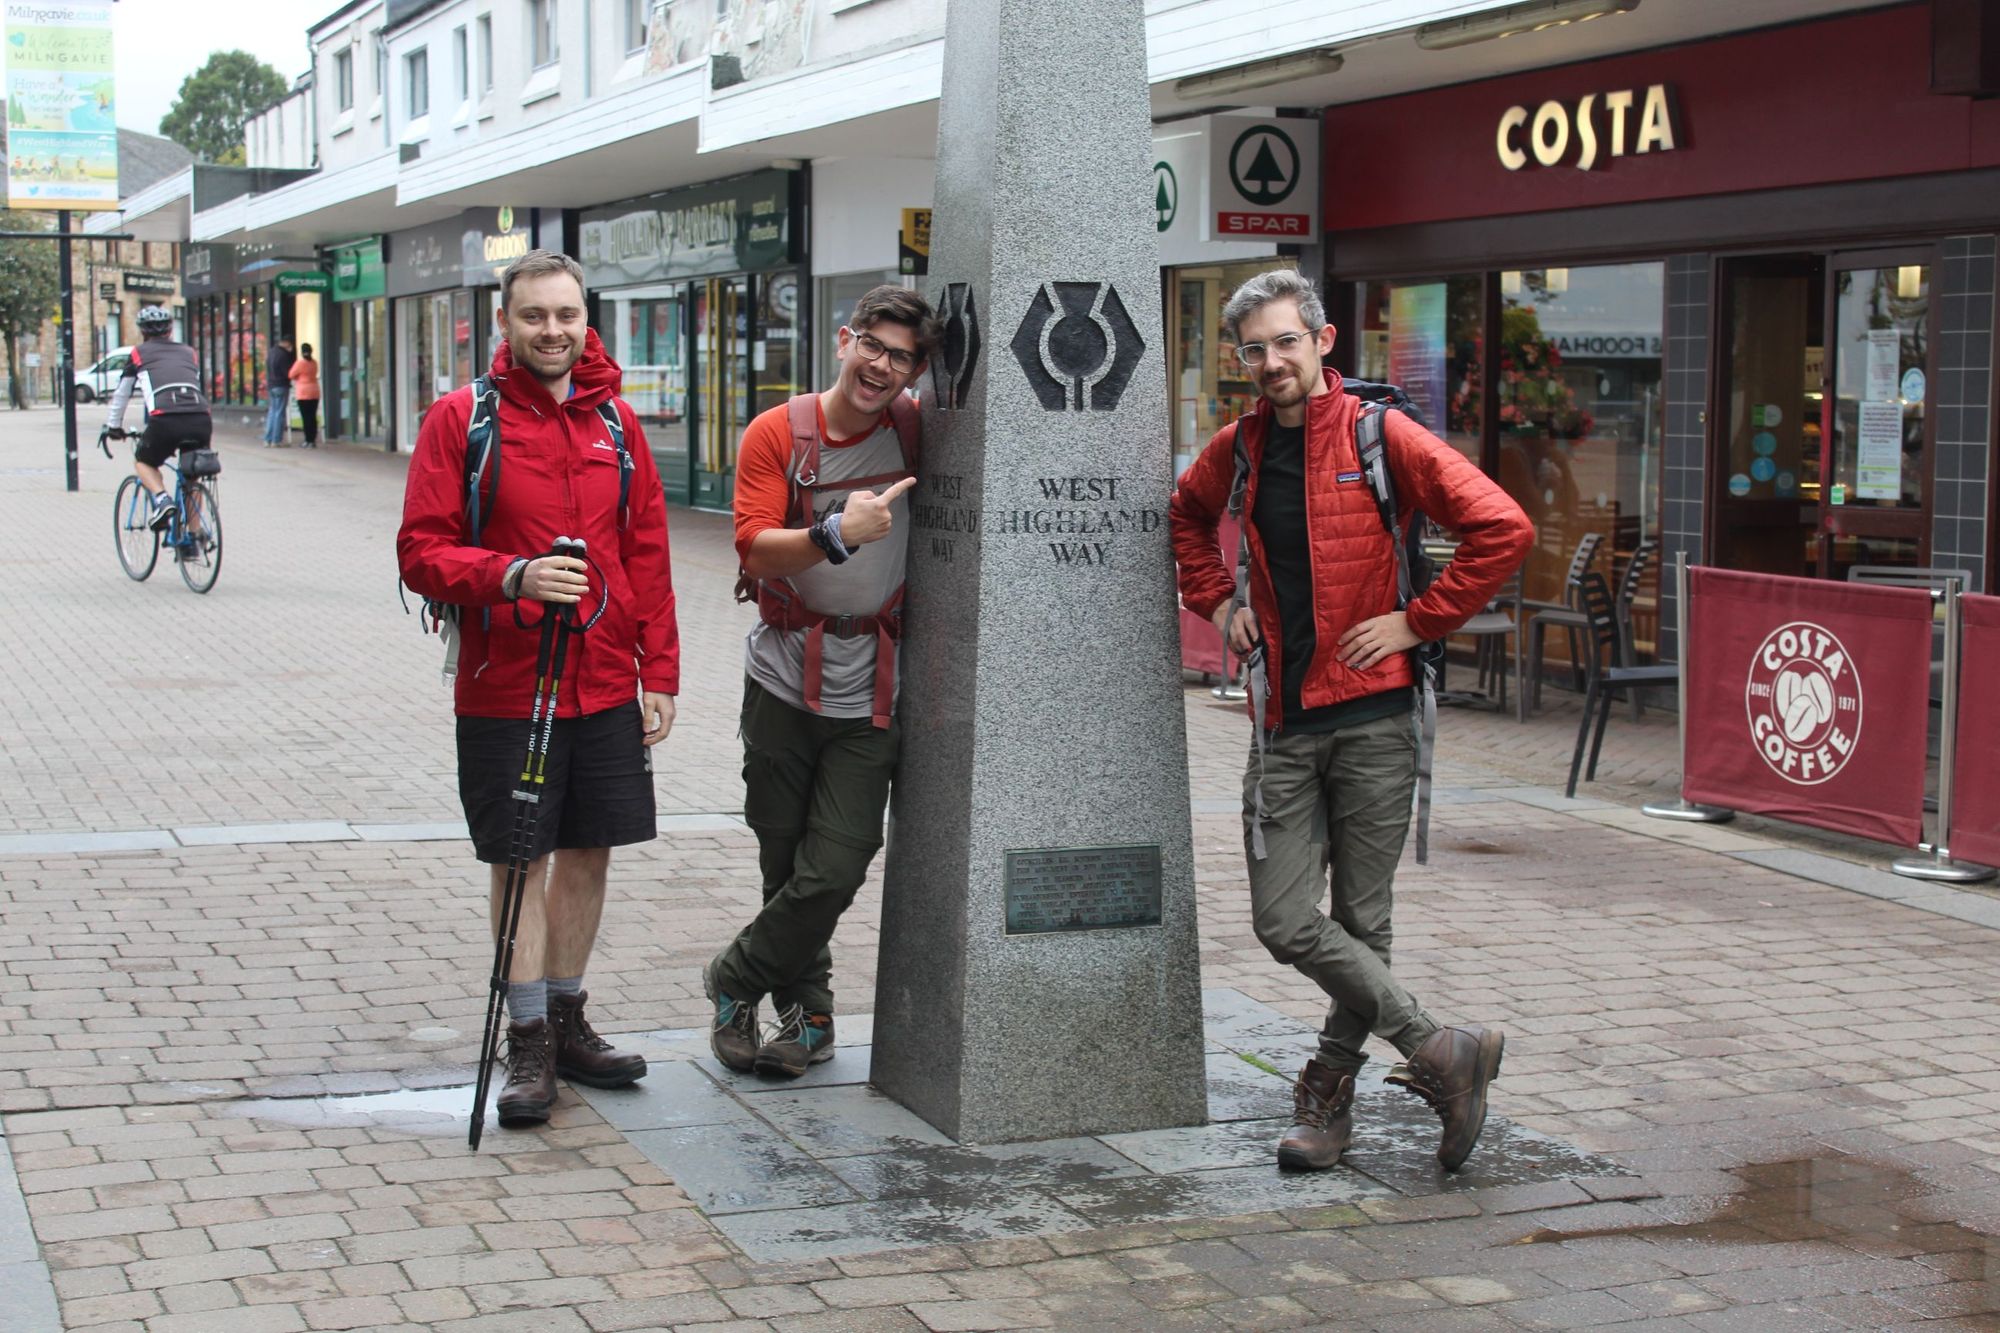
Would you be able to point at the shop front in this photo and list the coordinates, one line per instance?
(443, 283)
(698, 297)
(1209, 247)
(1680, 296)
(355, 367)
(234, 311)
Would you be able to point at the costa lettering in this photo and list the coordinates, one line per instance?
(1597, 126)
(1804, 703)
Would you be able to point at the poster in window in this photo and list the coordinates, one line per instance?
(1416, 346)
(1878, 470)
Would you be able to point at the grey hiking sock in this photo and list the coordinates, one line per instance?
(527, 1000)
(570, 986)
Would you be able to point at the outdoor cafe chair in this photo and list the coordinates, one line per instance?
(1566, 616)
(1498, 631)
(1602, 677)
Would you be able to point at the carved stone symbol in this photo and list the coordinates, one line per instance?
(1078, 346)
(951, 369)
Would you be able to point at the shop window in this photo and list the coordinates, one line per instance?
(1580, 417)
(1426, 338)
(837, 298)
(1209, 385)
(775, 352)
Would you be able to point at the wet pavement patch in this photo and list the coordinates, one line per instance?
(825, 1165)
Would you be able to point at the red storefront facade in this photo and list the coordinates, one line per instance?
(1733, 296)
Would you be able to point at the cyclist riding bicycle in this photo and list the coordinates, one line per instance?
(177, 419)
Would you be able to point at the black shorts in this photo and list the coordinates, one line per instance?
(598, 790)
(174, 432)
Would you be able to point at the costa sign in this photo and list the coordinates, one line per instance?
(1804, 702)
(1596, 127)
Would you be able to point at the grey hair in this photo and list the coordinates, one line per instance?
(1279, 284)
(538, 264)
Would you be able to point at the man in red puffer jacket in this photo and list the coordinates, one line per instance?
(1339, 773)
(560, 476)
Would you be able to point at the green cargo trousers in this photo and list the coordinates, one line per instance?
(1340, 799)
(815, 789)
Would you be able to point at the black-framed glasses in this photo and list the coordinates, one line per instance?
(874, 349)
(1255, 354)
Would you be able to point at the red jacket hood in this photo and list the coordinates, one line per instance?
(594, 379)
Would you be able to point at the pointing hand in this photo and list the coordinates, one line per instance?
(866, 516)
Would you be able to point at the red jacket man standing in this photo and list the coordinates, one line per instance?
(560, 476)
(1339, 773)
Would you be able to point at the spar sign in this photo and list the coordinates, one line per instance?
(1808, 701)
(1263, 178)
(1804, 701)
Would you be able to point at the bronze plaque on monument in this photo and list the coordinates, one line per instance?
(1082, 888)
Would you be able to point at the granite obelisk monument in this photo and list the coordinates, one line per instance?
(1040, 974)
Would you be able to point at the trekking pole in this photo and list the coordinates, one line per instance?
(557, 624)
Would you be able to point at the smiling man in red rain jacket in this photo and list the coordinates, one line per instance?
(563, 473)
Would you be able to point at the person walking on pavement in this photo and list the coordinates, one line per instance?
(821, 525)
(304, 376)
(1337, 753)
(278, 390)
(563, 470)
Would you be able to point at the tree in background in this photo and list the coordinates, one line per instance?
(28, 291)
(207, 118)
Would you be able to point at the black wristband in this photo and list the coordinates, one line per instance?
(827, 545)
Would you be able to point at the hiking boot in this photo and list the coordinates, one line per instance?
(584, 1057)
(1322, 1119)
(530, 1089)
(732, 1034)
(163, 513)
(798, 1041)
(1450, 1071)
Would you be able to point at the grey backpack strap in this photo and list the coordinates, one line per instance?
(1371, 442)
(1257, 672)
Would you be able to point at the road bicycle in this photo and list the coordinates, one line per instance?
(193, 534)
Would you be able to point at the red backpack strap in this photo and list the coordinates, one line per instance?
(909, 422)
(802, 413)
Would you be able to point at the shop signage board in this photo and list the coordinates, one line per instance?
(470, 250)
(1975, 792)
(358, 271)
(150, 284)
(729, 226)
(913, 242)
(304, 281)
(107, 291)
(207, 269)
(1263, 178)
(1808, 701)
(1590, 132)
(1178, 200)
(62, 134)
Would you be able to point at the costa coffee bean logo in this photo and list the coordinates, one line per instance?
(1804, 700)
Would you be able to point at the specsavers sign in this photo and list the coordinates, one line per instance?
(1263, 178)
(62, 139)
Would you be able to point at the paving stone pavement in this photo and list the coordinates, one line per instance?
(228, 1071)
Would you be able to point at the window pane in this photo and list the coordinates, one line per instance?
(1581, 415)
(1882, 325)
(486, 52)
(1425, 337)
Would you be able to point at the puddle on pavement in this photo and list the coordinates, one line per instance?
(427, 1111)
(1872, 1208)
(1478, 847)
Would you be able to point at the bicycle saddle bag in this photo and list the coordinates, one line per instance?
(201, 463)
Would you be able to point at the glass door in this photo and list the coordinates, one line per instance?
(722, 360)
(1877, 434)
(1766, 457)
(647, 332)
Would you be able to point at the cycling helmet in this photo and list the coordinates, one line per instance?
(155, 319)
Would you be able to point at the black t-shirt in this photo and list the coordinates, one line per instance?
(1280, 516)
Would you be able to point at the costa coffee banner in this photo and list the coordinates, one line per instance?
(1975, 792)
(1808, 701)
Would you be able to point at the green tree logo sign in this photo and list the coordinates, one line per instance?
(1166, 195)
(1264, 165)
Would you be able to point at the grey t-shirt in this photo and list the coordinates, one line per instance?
(775, 658)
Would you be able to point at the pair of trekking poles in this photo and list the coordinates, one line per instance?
(559, 624)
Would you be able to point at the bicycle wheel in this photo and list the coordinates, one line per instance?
(201, 553)
(132, 530)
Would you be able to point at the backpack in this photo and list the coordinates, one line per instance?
(482, 493)
(779, 603)
(1415, 571)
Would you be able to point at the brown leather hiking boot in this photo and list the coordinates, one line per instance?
(800, 1041)
(732, 1032)
(1322, 1119)
(584, 1057)
(1450, 1071)
(530, 1089)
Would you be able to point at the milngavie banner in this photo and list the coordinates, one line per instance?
(1809, 701)
(1975, 791)
(62, 138)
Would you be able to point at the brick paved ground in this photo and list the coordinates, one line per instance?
(1808, 1079)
